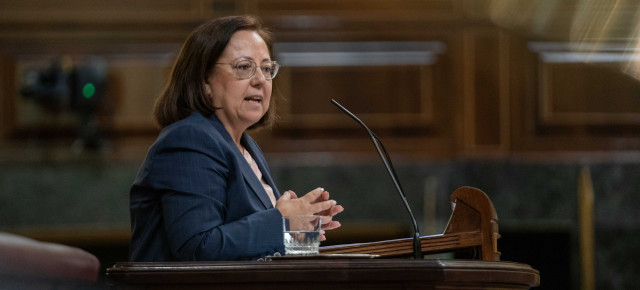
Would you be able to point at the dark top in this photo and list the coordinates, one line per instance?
(196, 198)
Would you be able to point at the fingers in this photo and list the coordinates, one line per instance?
(326, 219)
(315, 202)
(323, 196)
(332, 211)
(322, 206)
(331, 225)
(285, 196)
(314, 195)
(336, 210)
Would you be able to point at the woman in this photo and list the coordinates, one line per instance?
(204, 191)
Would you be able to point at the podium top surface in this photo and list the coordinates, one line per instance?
(323, 273)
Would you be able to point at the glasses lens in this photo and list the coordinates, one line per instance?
(270, 69)
(274, 69)
(245, 69)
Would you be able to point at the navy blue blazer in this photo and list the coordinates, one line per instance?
(196, 198)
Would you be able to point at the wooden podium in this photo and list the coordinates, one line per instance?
(473, 224)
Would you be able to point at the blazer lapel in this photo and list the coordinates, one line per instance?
(255, 184)
(262, 165)
(249, 176)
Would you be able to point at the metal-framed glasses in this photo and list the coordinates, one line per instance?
(246, 68)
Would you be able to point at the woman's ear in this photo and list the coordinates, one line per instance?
(206, 87)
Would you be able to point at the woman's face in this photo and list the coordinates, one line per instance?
(242, 102)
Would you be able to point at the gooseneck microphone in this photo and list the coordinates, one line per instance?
(417, 248)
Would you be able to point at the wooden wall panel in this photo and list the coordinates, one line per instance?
(587, 94)
(395, 87)
(134, 86)
(7, 115)
(88, 12)
(497, 84)
(572, 100)
(370, 10)
(485, 97)
(398, 93)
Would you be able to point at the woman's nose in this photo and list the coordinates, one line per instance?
(258, 78)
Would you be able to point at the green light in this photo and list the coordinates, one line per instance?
(88, 90)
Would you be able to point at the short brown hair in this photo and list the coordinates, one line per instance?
(184, 93)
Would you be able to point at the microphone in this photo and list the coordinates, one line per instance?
(417, 248)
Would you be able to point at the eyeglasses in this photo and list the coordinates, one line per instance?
(246, 68)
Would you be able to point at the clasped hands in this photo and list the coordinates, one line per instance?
(315, 202)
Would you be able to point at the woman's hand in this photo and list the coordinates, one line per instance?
(315, 202)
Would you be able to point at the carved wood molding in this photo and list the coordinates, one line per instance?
(582, 87)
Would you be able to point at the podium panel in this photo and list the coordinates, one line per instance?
(318, 273)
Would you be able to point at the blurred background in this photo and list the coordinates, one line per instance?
(537, 103)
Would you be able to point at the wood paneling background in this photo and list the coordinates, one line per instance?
(502, 82)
